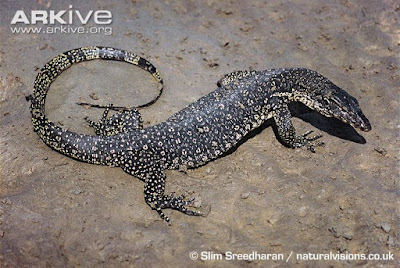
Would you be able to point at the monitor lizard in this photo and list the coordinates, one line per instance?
(201, 132)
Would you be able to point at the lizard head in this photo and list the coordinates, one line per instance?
(320, 94)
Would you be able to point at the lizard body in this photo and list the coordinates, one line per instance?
(201, 132)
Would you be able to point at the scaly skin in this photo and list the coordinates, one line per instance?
(199, 133)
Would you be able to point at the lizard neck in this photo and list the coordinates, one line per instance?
(305, 86)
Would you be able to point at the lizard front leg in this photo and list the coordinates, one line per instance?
(287, 133)
(154, 196)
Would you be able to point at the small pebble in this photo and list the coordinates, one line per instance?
(245, 195)
(385, 226)
(93, 96)
(390, 241)
(380, 150)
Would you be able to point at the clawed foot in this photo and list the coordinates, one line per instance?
(97, 126)
(304, 140)
(101, 127)
(123, 121)
(177, 203)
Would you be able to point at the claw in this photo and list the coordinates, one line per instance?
(191, 212)
(307, 133)
(189, 202)
(176, 203)
(162, 215)
(89, 121)
(313, 138)
(320, 143)
(304, 140)
(312, 146)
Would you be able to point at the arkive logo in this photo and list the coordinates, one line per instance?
(70, 16)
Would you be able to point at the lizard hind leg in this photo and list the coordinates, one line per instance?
(157, 200)
(123, 121)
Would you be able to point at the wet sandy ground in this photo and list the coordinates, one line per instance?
(264, 197)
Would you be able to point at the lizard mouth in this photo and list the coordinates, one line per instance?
(364, 126)
(346, 108)
(355, 119)
(362, 122)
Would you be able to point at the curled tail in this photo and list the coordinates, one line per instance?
(82, 147)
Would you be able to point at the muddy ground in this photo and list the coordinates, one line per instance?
(263, 197)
